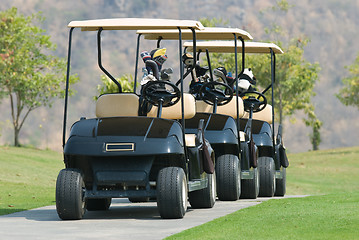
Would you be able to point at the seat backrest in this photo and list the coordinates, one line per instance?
(117, 105)
(229, 109)
(175, 111)
(264, 115)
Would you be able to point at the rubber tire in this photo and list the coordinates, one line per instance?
(70, 190)
(172, 192)
(98, 204)
(281, 184)
(250, 187)
(204, 198)
(228, 177)
(267, 181)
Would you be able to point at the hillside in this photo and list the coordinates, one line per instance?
(331, 26)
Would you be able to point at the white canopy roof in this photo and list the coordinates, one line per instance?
(134, 24)
(208, 33)
(228, 47)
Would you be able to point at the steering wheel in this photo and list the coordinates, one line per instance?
(253, 100)
(156, 92)
(211, 95)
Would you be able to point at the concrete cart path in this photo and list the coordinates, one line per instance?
(124, 220)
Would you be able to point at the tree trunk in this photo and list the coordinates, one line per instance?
(16, 137)
(15, 114)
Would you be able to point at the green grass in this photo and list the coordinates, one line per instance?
(332, 213)
(27, 178)
(319, 217)
(324, 172)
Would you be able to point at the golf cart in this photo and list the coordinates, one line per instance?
(218, 111)
(119, 154)
(256, 122)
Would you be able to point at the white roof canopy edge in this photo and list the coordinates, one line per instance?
(228, 47)
(134, 24)
(208, 33)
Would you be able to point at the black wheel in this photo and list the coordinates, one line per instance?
(139, 199)
(281, 184)
(98, 204)
(250, 187)
(204, 198)
(267, 181)
(228, 176)
(70, 191)
(172, 192)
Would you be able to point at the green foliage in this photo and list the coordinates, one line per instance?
(295, 79)
(213, 22)
(282, 5)
(29, 76)
(108, 86)
(315, 138)
(295, 76)
(348, 95)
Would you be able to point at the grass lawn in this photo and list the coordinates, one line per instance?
(334, 216)
(324, 172)
(332, 212)
(27, 178)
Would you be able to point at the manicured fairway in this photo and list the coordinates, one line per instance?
(332, 212)
(27, 178)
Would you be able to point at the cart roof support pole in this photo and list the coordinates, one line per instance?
(182, 100)
(209, 65)
(67, 88)
(237, 75)
(236, 81)
(100, 61)
(273, 80)
(136, 64)
(159, 42)
(194, 48)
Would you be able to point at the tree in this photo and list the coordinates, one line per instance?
(108, 86)
(348, 95)
(295, 77)
(29, 76)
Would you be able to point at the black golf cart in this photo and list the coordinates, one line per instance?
(216, 106)
(256, 123)
(120, 154)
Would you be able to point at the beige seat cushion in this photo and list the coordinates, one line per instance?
(117, 105)
(190, 140)
(228, 109)
(175, 111)
(264, 115)
(242, 136)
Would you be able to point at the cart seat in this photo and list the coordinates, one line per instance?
(117, 105)
(190, 140)
(175, 111)
(264, 115)
(242, 136)
(228, 109)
